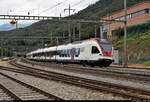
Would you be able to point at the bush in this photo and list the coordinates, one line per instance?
(147, 63)
(133, 30)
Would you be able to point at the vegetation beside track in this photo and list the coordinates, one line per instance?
(138, 46)
(146, 63)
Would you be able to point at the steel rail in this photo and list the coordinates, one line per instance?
(89, 83)
(8, 92)
(121, 74)
(32, 87)
(117, 67)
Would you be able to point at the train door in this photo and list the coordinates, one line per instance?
(72, 53)
(95, 52)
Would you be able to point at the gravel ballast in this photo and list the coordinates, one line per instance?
(67, 92)
(93, 77)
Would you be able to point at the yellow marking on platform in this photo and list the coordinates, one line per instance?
(3, 63)
(40, 72)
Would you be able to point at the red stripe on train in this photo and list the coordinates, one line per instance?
(104, 53)
(107, 54)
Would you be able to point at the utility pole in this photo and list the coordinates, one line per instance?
(60, 16)
(16, 24)
(43, 43)
(79, 31)
(95, 31)
(25, 40)
(51, 36)
(63, 35)
(25, 45)
(74, 32)
(109, 26)
(1, 48)
(57, 41)
(69, 30)
(125, 34)
(102, 35)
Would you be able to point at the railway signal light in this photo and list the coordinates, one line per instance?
(13, 22)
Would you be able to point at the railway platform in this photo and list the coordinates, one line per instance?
(3, 63)
(131, 66)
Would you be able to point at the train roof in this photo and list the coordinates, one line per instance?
(42, 50)
(63, 46)
(50, 49)
(80, 42)
(101, 40)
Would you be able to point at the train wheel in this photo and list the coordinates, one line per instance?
(84, 63)
(92, 65)
(106, 65)
(101, 66)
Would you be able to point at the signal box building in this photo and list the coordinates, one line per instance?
(137, 14)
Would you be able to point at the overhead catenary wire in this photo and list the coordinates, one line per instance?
(74, 5)
(53, 6)
(78, 3)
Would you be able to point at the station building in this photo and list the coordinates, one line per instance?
(136, 14)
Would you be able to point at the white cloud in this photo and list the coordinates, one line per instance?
(35, 7)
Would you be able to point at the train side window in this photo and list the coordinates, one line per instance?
(95, 50)
(53, 53)
(61, 53)
(65, 53)
(46, 54)
(49, 54)
(77, 52)
(69, 52)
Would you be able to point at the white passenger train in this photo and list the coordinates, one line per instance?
(93, 52)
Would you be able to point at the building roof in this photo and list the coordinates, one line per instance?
(119, 11)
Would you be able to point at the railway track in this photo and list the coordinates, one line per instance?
(116, 89)
(140, 76)
(116, 69)
(14, 89)
(4, 95)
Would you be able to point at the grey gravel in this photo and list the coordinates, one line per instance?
(64, 91)
(110, 80)
(4, 96)
(16, 88)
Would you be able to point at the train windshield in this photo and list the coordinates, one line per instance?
(105, 45)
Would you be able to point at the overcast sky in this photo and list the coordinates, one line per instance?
(41, 7)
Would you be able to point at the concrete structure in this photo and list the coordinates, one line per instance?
(139, 13)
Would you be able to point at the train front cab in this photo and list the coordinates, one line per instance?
(101, 53)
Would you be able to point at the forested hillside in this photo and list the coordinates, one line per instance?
(95, 11)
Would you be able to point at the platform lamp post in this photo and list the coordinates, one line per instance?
(125, 34)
